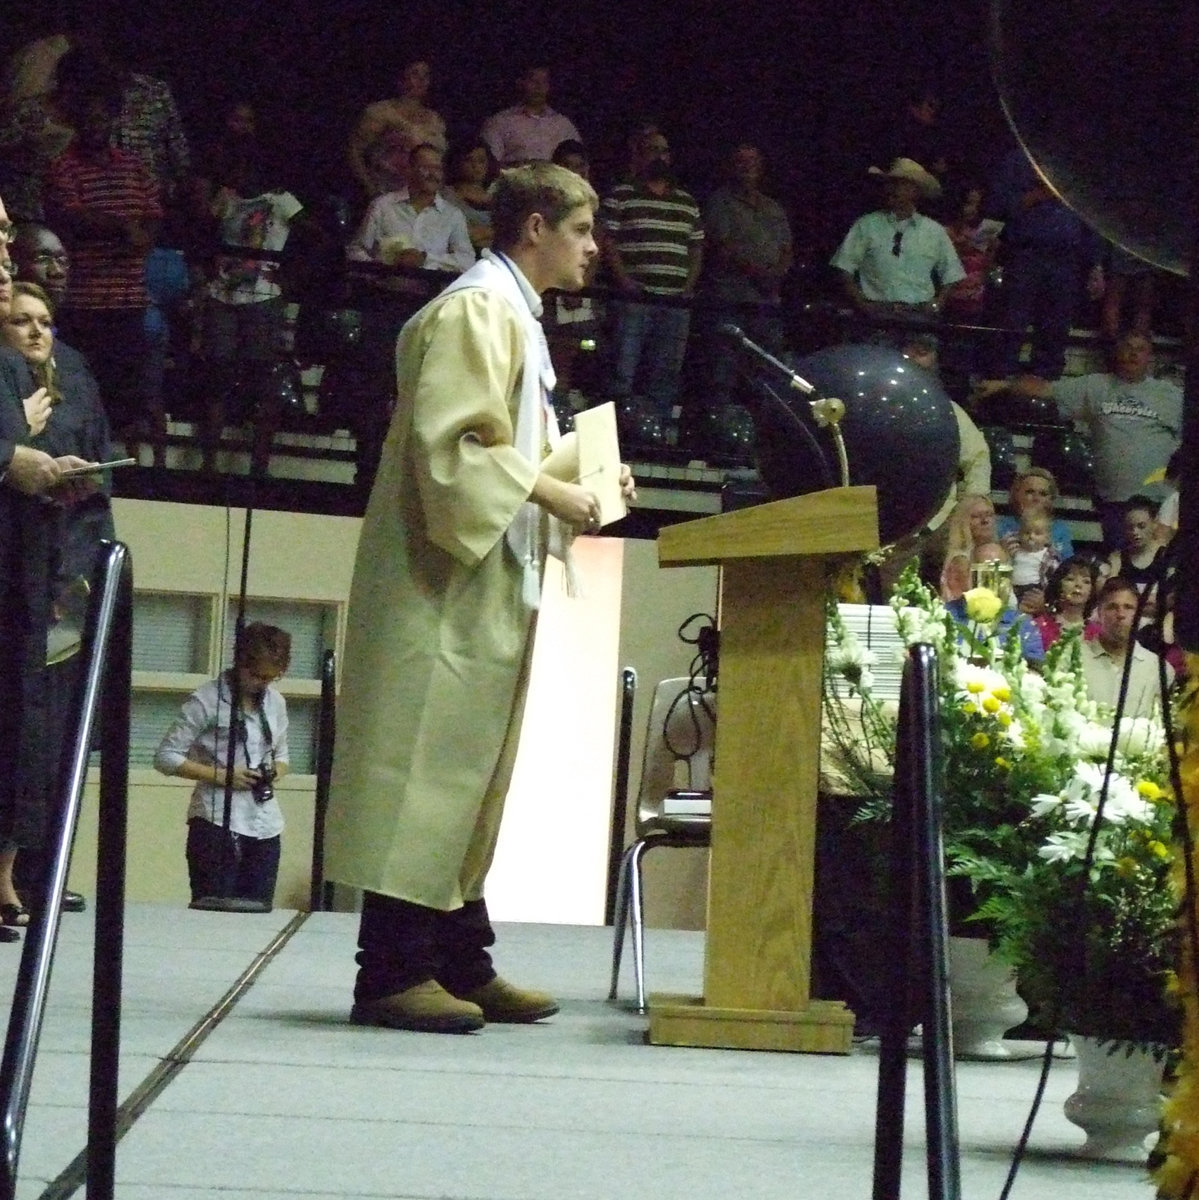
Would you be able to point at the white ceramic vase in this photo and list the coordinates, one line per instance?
(1118, 1101)
(984, 1001)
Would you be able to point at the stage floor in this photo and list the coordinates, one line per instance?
(283, 1098)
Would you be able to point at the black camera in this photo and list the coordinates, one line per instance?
(263, 788)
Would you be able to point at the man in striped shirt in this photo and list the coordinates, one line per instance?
(105, 205)
(653, 247)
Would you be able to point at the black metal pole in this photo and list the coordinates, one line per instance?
(319, 897)
(940, 1096)
(919, 947)
(896, 1023)
(108, 954)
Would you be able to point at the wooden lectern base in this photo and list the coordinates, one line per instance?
(824, 1027)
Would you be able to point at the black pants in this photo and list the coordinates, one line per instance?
(402, 944)
(230, 865)
(114, 343)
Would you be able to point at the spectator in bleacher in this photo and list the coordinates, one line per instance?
(32, 131)
(530, 130)
(1139, 558)
(653, 247)
(389, 130)
(1103, 656)
(243, 320)
(106, 205)
(968, 531)
(415, 227)
(747, 255)
(1047, 254)
(976, 242)
(1034, 491)
(896, 263)
(470, 169)
(1069, 598)
(1133, 422)
(40, 256)
(149, 127)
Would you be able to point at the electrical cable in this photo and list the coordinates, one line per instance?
(701, 684)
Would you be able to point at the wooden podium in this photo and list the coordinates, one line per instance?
(757, 961)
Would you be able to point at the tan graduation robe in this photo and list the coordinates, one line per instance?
(435, 667)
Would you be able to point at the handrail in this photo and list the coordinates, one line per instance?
(620, 791)
(920, 950)
(107, 654)
(320, 897)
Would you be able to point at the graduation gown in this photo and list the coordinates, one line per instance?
(435, 667)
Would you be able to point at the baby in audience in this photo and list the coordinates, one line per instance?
(1033, 558)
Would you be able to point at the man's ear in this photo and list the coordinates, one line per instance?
(535, 227)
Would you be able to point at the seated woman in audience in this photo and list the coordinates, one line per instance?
(970, 526)
(1069, 598)
(469, 169)
(1035, 490)
(1139, 557)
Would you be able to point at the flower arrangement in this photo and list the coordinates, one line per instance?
(1025, 756)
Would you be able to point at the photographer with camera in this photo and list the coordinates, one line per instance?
(240, 863)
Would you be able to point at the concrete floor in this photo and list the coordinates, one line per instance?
(285, 1099)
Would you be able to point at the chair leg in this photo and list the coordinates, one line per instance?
(620, 919)
(637, 919)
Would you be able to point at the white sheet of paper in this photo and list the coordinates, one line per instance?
(599, 459)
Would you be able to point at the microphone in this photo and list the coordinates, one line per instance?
(735, 334)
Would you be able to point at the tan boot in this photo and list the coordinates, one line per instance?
(503, 1002)
(425, 1008)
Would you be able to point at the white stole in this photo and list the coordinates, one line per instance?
(534, 415)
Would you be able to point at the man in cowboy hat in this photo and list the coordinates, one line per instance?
(897, 264)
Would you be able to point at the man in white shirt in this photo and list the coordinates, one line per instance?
(1103, 657)
(896, 262)
(416, 226)
(531, 130)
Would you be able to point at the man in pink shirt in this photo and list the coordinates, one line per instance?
(531, 129)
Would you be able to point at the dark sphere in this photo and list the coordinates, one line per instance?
(900, 434)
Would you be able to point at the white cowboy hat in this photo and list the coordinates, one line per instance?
(906, 168)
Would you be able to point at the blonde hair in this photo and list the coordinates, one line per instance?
(44, 374)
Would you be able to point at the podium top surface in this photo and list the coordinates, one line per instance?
(835, 521)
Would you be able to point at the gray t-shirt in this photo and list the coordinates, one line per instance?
(1133, 429)
(758, 232)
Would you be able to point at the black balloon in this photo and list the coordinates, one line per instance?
(900, 434)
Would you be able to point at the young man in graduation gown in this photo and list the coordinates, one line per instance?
(442, 611)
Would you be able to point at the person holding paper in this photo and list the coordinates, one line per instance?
(442, 611)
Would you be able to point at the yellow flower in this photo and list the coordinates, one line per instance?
(1002, 693)
(980, 741)
(1003, 764)
(1126, 866)
(1160, 849)
(969, 709)
(990, 704)
(1004, 719)
(975, 687)
(982, 604)
(1150, 791)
